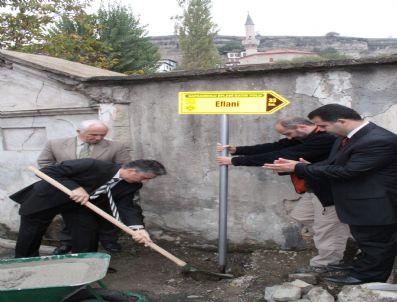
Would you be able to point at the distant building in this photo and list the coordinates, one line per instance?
(233, 58)
(250, 42)
(274, 55)
(166, 65)
(251, 55)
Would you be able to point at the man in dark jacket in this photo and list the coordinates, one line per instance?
(303, 139)
(40, 202)
(90, 142)
(362, 172)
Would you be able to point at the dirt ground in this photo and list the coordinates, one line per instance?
(146, 272)
(143, 271)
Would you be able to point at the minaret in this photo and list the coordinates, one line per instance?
(250, 43)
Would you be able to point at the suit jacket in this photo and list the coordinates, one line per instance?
(89, 174)
(362, 177)
(59, 150)
(314, 148)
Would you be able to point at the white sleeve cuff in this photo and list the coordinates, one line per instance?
(136, 227)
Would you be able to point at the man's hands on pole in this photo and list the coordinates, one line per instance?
(230, 148)
(224, 160)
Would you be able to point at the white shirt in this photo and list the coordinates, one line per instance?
(354, 131)
(117, 178)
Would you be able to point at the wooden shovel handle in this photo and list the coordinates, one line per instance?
(105, 215)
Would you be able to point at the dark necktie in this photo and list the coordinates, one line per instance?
(106, 189)
(344, 141)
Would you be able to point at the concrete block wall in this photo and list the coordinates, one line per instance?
(144, 111)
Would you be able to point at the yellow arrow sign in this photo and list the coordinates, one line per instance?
(230, 102)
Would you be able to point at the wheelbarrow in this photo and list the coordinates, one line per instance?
(60, 278)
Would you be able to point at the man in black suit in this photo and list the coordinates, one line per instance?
(302, 139)
(90, 142)
(362, 172)
(40, 202)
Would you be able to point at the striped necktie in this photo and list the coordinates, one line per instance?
(106, 189)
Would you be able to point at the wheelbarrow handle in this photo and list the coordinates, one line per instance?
(106, 216)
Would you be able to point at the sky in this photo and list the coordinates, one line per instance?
(352, 18)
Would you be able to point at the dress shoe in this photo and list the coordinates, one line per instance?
(112, 247)
(339, 267)
(312, 269)
(111, 270)
(344, 280)
(62, 250)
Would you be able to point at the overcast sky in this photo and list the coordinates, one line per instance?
(354, 18)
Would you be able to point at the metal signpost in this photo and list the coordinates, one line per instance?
(225, 103)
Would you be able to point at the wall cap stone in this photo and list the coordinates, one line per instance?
(235, 71)
(48, 112)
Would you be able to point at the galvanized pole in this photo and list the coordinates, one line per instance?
(223, 189)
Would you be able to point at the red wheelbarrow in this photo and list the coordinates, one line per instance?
(63, 278)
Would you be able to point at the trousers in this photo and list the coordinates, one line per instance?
(107, 233)
(329, 234)
(378, 245)
(82, 223)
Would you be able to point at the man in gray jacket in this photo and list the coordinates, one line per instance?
(90, 142)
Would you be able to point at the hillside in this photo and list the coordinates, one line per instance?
(350, 46)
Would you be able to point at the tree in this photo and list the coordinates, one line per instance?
(330, 53)
(196, 33)
(111, 39)
(231, 46)
(25, 22)
(119, 28)
(75, 39)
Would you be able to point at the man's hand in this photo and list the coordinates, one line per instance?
(141, 236)
(304, 161)
(230, 148)
(224, 160)
(282, 165)
(80, 195)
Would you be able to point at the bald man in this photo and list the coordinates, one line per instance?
(302, 139)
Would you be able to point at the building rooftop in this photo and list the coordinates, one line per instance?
(287, 50)
(249, 20)
(56, 65)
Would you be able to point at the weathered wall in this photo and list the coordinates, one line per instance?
(37, 105)
(186, 200)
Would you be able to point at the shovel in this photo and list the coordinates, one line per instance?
(187, 269)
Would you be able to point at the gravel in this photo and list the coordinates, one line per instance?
(51, 273)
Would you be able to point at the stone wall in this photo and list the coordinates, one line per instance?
(37, 105)
(350, 46)
(144, 111)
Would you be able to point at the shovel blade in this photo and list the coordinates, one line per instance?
(200, 275)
